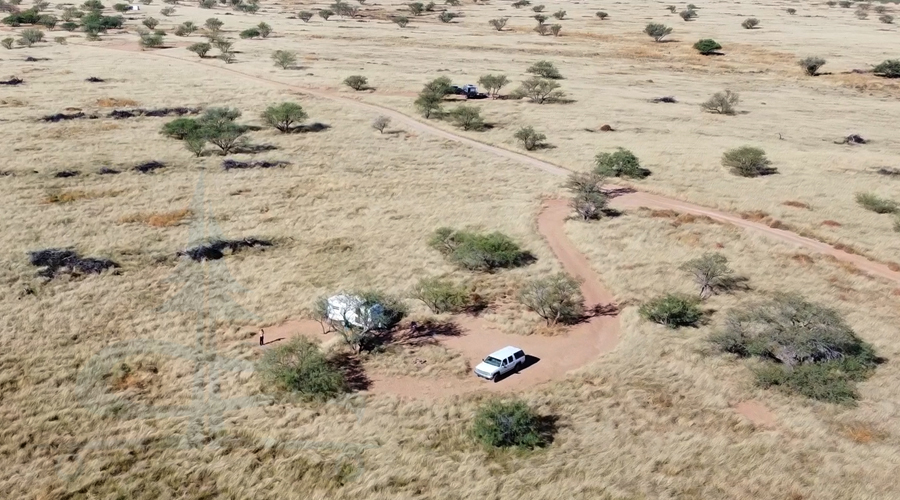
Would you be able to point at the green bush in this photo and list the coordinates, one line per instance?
(250, 33)
(284, 58)
(493, 83)
(447, 16)
(467, 117)
(876, 204)
(811, 65)
(817, 353)
(750, 23)
(791, 11)
(264, 30)
(30, 37)
(7, 43)
(747, 161)
(417, 8)
(539, 90)
(180, 128)
(305, 15)
(622, 163)
(283, 116)
(602, 15)
(151, 40)
(657, 31)
(299, 366)
(200, 49)
(167, 11)
(150, 22)
(544, 69)
(888, 69)
(479, 252)
(401, 21)
(707, 46)
(441, 295)
(688, 14)
(886, 18)
(213, 25)
(498, 24)
(557, 299)
(588, 199)
(508, 424)
(357, 82)
(711, 273)
(530, 138)
(672, 310)
(48, 21)
(69, 26)
(30, 16)
(325, 14)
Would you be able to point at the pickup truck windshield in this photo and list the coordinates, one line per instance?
(492, 361)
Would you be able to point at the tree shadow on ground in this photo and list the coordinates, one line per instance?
(354, 374)
(250, 149)
(310, 127)
(415, 335)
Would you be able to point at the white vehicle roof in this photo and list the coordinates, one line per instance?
(505, 352)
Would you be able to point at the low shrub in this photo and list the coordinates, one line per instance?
(357, 82)
(447, 16)
(688, 15)
(672, 310)
(401, 21)
(657, 31)
(300, 366)
(602, 15)
(888, 69)
(750, 23)
(747, 161)
(441, 295)
(498, 24)
(811, 65)
(251, 33)
(544, 69)
(283, 116)
(479, 252)
(467, 118)
(508, 424)
(875, 203)
(305, 15)
(722, 103)
(530, 138)
(622, 163)
(707, 46)
(284, 59)
(201, 49)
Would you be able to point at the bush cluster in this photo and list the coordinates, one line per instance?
(479, 252)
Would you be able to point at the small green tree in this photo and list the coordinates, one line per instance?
(886, 18)
(401, 21)
(264, 30)
(167, 11)
(747, 161)
(750, 23)
(707, 46)
(499, 23)
(467, 117)
(530, 138)
(151, 23)
(888, 69)
(621, 163)
(446, 16)
(478, 252)
(556, 299)
(195, 144)
(7, 43)
(555, 29)
(325, 14)
(688, 15)
(722, 103)
(218, 128)
(299, 366)
(560, 14)
(380, 123)
(151, 40)
(417, 8)
(877, 204)
(588, 199)
(429, 103)
(508, 424)
(791, 10)
(672, 310)
(493, 83)
(544, 69)
(181, 128)
(213, 25)
(711, 273)
(811, 65)
(518, 4)
(305, 15)
(441, 295)
(283, 116)
(540, 90)
(602, 15)
(657, 31)
(357, 82)
(538, 8)
(284, 59)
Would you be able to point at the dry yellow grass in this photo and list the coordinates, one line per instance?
(653, 419)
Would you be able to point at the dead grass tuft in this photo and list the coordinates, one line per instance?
(802, 258)
(113, 102)
(864, 432)
(831, 223)
(754, 215)
(78, 194)
(157, 219)
(797, 204)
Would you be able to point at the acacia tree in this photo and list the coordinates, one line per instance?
(540, 90)
(493, 83)
(588, 198)
(282, 116)
(711, 273)
(557, 298)
(284, 58)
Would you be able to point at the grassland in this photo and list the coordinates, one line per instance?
(354, 208)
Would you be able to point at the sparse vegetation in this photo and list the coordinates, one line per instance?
(556, 299)
(806, 348)
(657, 31)
(283, 116)
(305, 15)
(8, 42)
(326, 13)
(498, 24)
(621, 163)
(478, 252)
(602, 15)
(877, 204)
(811, 65)
(401, 21)
(722, 103)
(588, 199)
(508, 424)
(560, 14)
(446, 16)
(167, 11)
(747, 161)
(530, 138)
(688, 15)
(30, 36)
(710, 273)
(672, 310)
(540, 90)
(888, 69)
(380, 123)
(357, 82)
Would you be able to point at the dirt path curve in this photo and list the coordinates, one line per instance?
(555, 356)
(632, 199)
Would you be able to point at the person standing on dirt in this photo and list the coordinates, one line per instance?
(262, 337)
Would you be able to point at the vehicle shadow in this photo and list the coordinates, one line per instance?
(529, 362)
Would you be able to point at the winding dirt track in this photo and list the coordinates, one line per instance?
(582, 343)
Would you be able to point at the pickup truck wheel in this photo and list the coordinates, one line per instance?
(494, 378)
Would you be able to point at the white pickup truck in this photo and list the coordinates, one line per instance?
(500, 362)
